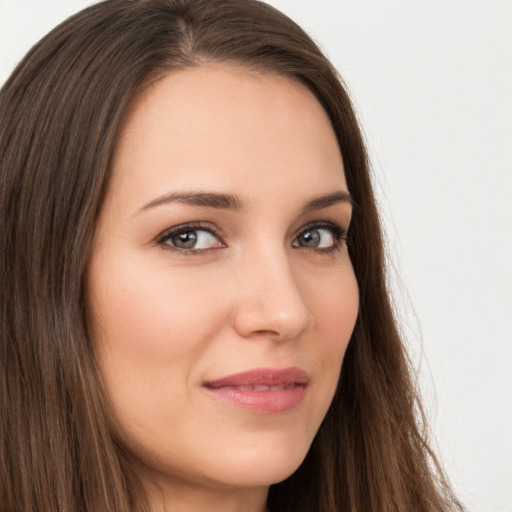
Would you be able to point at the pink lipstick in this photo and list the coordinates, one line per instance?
(262, 390)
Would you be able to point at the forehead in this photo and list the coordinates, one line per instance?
(223, 127)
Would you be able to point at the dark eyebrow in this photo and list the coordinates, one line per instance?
(328, 200)
(204, 199)
(232, 202)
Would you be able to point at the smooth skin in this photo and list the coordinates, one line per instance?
(213, 256)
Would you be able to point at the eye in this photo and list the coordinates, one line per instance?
(188, 238)
(321, 236)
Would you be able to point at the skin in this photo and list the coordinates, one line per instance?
(252, 295)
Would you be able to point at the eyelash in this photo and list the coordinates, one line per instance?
(340, 236)
(183, 228)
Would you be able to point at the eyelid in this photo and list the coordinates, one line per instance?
(338, 228)
(341, 235)
(189, 226)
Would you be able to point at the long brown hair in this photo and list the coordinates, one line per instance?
(60, 113)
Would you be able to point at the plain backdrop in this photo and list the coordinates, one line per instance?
(432, 83)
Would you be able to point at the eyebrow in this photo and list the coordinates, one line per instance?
(232, 202)
(204, 199)
(327, 200)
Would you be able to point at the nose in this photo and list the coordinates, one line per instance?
(269, 301)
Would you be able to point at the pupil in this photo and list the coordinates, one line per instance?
(311, 238)
(185, 240)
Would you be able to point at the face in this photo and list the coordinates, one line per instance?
(222, 292)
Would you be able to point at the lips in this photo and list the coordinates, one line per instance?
(262, 390)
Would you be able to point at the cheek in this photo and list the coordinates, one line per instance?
(146, 333)
(335, 308)
(144, 309)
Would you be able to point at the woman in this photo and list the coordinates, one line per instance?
(194, 309)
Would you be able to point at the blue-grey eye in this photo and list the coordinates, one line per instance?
(193, 239)
(315, 238)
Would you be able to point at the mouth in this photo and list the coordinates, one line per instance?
(262, 390)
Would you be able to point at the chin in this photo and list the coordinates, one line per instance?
(263, 474)
(264, 461)
(261, 465)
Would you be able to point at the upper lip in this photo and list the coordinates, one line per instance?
(262, 377)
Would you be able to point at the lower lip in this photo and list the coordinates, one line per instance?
(265, 402)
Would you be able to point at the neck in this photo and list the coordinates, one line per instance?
(186, 497)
